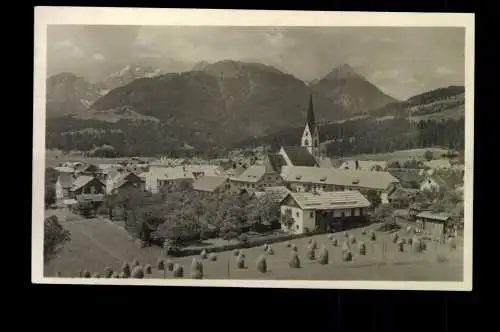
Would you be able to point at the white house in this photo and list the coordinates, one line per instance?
(308, 211)
(63, 185)
(160, 175)
(306, 179)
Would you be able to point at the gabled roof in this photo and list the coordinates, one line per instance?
(329, 200)
(434, 216)
(209, 183)
(81, 181)
(126, 178)
(252, 174)
(277, 193)
(274, 162)
(299, 156)
(339, 177)
(66, 180)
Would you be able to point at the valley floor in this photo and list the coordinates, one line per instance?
(97, 244)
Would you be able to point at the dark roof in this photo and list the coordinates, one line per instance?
(300, 156)
(274, 162)
(66, 180)
(310, 120)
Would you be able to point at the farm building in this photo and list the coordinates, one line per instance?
(306, 179)
(63, 185)
(87, 185)
(87, 169)
(160, 175)
(211, 184)
(433, 224)
(297, 156)
(323, 211)
(364, 165)
(254, 177)
(125, 180)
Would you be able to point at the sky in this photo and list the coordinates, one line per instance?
(401, 61)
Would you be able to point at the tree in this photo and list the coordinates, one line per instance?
(374, 198)
(54, 238)
(50, 195)
(382, 213)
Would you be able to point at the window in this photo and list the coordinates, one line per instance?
(306, 142)
(298, 214)
(297, 226)
(311, 214)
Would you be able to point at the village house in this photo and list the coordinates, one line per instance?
(160, 175)
(211, 184)
(259, 176)
(364, 165)
(308, 179)
(302, 212)
(87, 185)
(63, 185)
(124, 180)
(434, 225)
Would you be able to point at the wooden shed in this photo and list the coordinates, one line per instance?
(434, 224)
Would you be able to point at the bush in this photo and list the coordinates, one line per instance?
(96, 275)
(135, 262)
(236, 252)
(373, 237)
(148, 269)
(294, 260)
(160, 264)
(262, 264)
(323, 256)
(362, 248)
(240, 262)
(311, 253)
(137, 272)
(126, 270)
(196, 269)
(169, 265)
(212, 257)
(346, 256)
(352, 239)
(335, 242)
(270, 250)
(203, 254)
(86, 274)
(178, 271)
(108, 272)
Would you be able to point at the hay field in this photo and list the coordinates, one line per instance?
(98, 244)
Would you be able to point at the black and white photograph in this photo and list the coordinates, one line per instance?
(238, 148)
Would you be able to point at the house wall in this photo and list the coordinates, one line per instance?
(61, 193)
(302, 219)
(434, 228)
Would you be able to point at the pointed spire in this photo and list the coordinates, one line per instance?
(310, 114)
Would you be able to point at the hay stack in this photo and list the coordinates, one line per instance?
(203, 254)
(346, 246)
(122, 275)
(311, 253)
(346, 256)
(400, 245)
(352, 239)
(331, 236)
(86, 274)
(294, 260)
(362, 248)
(323, 256)
(148, 269)
(169, 265)
(452, 243)
(261, 264)
(335, 242)
(160, 264)
(394, 237)
(240, 261)
(265, 247)
(212, 257)
(115, 275)
(373, 237)
(178, 271)
(108, 272)
(416, 245)
(270, 250)
(137, 272)
(363, 232)
(313, 244)
(126, 270)
(236, 252)
(294, 248)
(288, 244)
(196, 269)
(135, 263)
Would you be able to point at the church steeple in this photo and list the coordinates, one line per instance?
(310, 136)
(310, 120)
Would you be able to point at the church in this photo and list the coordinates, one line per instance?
(306, 154)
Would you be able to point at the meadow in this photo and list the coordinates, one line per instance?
(97, 245)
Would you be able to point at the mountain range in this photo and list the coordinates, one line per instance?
(213, 104)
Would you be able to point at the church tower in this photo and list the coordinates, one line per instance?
(310, 136)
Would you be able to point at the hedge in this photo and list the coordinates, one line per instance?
(252, 243)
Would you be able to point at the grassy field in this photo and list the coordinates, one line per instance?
(54, 157)
(98, 244)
